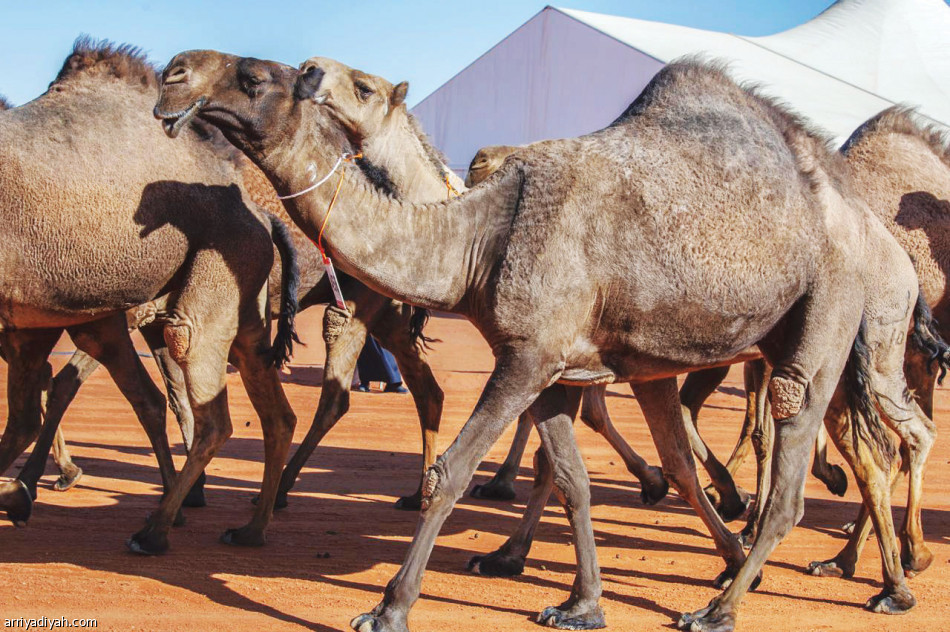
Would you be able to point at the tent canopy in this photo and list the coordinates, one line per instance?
(567, 72)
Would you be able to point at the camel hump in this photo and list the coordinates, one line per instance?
(102, 58)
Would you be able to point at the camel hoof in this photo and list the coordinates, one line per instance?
(829, 568)
(565, 620)
(68, 480)
(196, 495)
(709, 619)
(838, 484)
(652, 493)
(916, 563)
(279, 503)
(891, 603)
(148, 542)
(712, 494)
(724, 579)
(244, 536)
(370, 623)
(494, 490)
(733, 506)
(718, 623)
(848, 528)
(746, 538)
(409, 503)
(496, 565)
(18, 503)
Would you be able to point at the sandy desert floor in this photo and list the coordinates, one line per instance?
(657, 562)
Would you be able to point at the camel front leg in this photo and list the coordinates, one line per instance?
(554, 413)
(391, 328)
(509, 559)
(502, 484)
(517, 379)
(262, 383)
(177, 392)
(62, 389)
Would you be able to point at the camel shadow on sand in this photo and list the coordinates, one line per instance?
(355, 525)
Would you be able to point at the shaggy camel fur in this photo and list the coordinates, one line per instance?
(404, 163)
(81, 251)
(603, 218)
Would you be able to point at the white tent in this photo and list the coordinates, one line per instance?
(566, 72)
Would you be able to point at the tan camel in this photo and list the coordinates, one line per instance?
(505, 254)
(80, 251)
(405, 164)
(900, 168)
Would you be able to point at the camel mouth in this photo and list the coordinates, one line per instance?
(173, 122)
(321, 98)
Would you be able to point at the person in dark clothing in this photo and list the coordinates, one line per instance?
(375, 364)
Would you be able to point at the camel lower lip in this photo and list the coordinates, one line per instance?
(173, 122)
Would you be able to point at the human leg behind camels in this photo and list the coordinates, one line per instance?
(80, 251)
(508, 283)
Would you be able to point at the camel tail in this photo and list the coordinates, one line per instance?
(867, 427)
(283, 347)
(926, 339)
(417, 322)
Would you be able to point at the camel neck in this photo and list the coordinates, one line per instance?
(416, 175)
(433, 255)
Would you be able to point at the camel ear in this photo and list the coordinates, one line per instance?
(399, 94)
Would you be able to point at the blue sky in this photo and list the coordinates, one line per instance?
(424, 41)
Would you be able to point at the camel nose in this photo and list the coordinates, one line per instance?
(179, 74)
(308, 82)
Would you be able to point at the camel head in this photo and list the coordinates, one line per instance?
(486, 162)
(241, 96)
(360, 101)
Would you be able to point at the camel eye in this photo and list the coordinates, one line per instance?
(363, 91)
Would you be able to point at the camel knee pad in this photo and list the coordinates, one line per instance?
(178, 340)
(334, 322)
(786, 397)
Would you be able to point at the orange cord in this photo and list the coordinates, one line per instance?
(326, 218)
(448, 185)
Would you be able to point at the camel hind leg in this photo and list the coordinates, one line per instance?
(807, 365)
(262, 383)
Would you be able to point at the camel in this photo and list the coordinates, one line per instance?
(895, 181)
(373, 110)
(544, 227)
(366, 120)
(82, 251)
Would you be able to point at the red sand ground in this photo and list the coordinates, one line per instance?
(657, 562)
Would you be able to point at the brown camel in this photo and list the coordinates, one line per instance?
(81, 251)
(601, 218)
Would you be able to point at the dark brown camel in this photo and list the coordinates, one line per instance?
(81, 251)
(630, 248)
